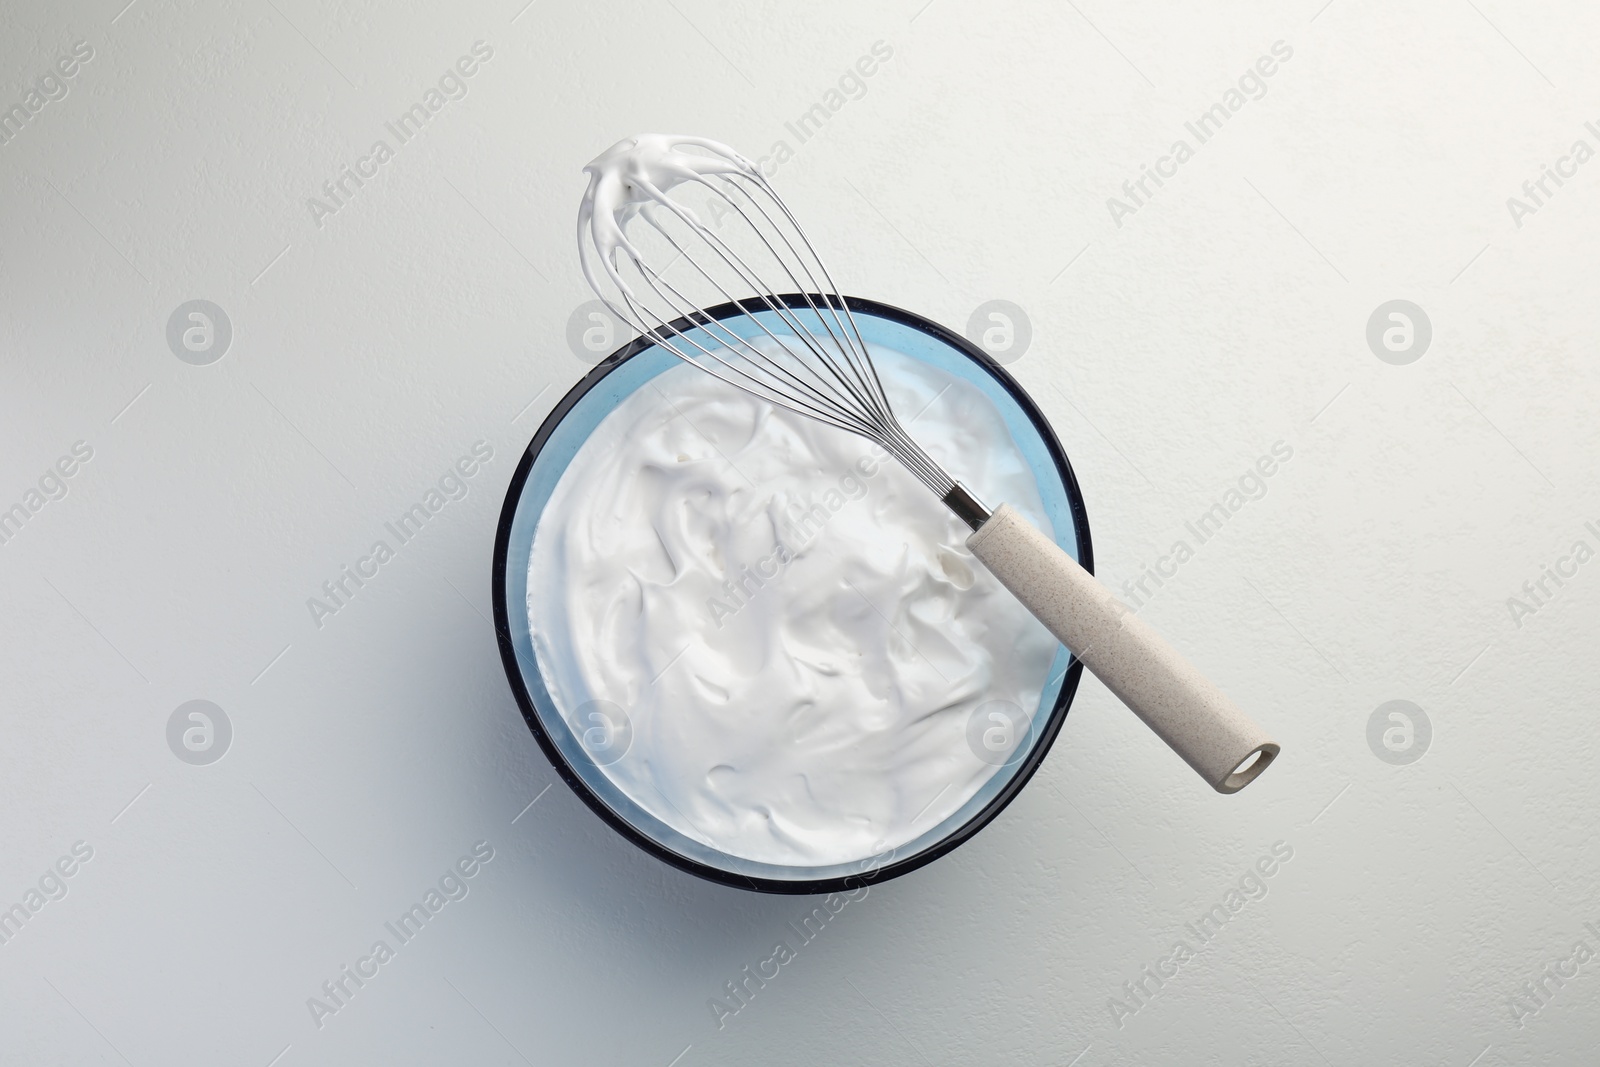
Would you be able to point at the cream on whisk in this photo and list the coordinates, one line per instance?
(635, 173)
(792, 625)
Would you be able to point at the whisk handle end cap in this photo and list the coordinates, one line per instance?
(1185, 708)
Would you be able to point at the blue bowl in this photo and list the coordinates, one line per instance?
(565, 430)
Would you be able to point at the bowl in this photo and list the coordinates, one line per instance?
(564, 432)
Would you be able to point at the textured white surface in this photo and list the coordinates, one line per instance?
(429, 312)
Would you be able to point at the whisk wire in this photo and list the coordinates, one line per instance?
(856, 353)
(817, 390)
(750, 278)
(853, 348)
(732, 342)
(803, 352)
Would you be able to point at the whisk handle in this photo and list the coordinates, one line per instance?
(1183, 707)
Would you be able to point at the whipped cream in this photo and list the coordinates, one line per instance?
(790, 622)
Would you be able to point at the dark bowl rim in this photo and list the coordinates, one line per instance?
(895, 867)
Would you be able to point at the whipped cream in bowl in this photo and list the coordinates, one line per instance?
(754, 644)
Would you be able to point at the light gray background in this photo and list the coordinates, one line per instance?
(1171, 351)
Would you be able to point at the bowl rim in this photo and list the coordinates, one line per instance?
(895, 867)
